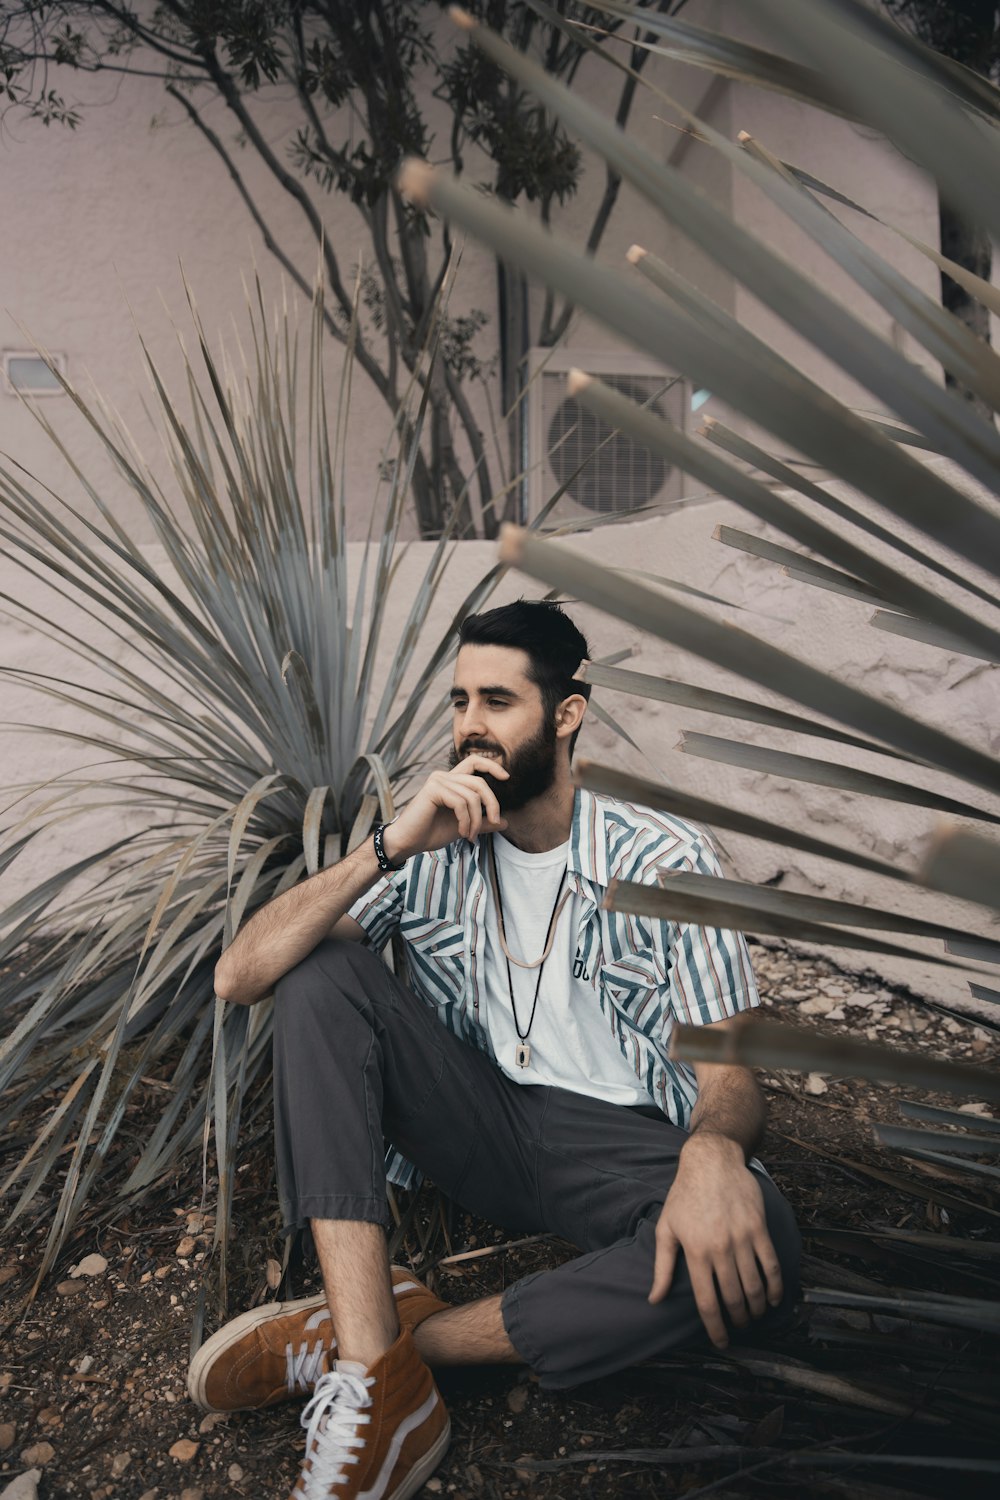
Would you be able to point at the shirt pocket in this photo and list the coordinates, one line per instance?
(631, 999)
(630, 982)
(437, 950)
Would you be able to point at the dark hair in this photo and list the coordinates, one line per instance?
(553, 644)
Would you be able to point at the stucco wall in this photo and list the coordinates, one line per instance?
(827, 629)
(104, 215)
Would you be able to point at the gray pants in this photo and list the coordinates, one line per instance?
(357, 1055)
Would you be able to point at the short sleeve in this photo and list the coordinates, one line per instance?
(378, 911)
(710, 977)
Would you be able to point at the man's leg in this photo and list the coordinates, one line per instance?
(605, 1172)
(357, 1055)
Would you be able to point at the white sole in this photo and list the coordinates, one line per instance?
(230, 1333)
(423, 1470)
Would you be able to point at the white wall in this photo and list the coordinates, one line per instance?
(827, 629)
(103, 215)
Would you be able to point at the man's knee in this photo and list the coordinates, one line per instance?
(336, 970)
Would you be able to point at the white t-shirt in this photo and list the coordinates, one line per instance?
(572, 1044)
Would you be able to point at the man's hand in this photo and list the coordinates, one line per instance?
(714, 1212)
(450, 804)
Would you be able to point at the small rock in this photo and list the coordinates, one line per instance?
(976, 1107)
(149, 1494)
(8, 1433)
(7, 1273)
(50, 1416)
(860, 997)
(816, 1084)
(273, 1273)
(820, 1005)
(162, 1271)
(837, 1014)
(184, 1450)
(84, 1365)
(6, 1381)
(211, 1421)
(70, 1288)
(91, 1265)
(517, 1398)
(193, 1493)
(793, 994)
(38, 1453)
(235, 1473)
(434, 1485)
(119, 1464)
(24, 1487)
(187, 1246)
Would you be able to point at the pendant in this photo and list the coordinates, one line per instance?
(522, 1054)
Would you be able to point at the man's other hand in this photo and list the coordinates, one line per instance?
(714, 1212)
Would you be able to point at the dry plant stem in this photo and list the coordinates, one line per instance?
(355, 1265)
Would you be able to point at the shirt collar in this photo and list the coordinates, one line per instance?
(588, 841)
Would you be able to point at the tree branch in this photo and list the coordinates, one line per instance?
(552, 331)
(270, 242)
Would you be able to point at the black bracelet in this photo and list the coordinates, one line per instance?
(378, 839)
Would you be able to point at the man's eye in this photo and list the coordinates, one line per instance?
(497, 703)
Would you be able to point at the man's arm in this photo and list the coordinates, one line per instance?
(714, 1211)
(283, 932)
(450, 804)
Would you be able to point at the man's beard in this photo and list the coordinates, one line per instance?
(532, 767)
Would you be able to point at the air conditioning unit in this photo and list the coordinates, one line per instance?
(605, 470)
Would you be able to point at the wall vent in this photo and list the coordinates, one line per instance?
(618, 475)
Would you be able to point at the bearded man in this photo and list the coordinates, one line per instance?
(524, 1068)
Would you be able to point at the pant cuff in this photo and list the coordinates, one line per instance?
(299, 1213)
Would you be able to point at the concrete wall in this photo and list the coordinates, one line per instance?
(105, 216)
(105, 213)
(829, 630)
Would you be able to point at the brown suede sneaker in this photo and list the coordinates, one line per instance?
(377, 1433)
(280, 1350)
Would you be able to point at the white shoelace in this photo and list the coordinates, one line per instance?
(302, 1369)
(331, 1420)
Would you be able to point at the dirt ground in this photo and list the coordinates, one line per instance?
(846, 1403)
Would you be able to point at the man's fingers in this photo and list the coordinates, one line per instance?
(731, 1291)
(459, 804)
(663, 1266)
(707, 1302)
(476, 789)
(770, 1267)
(753, 1284)
(476, 762)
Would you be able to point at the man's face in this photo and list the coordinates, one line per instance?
(498, 711)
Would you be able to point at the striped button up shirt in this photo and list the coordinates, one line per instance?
(646, 973)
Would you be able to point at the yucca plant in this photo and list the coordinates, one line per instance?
(245, 714)
(842, 56)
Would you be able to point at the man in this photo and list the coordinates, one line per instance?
(525, 1071)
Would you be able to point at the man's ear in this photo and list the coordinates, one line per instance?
(569, 715)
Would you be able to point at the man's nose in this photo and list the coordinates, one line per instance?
(471, 723)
